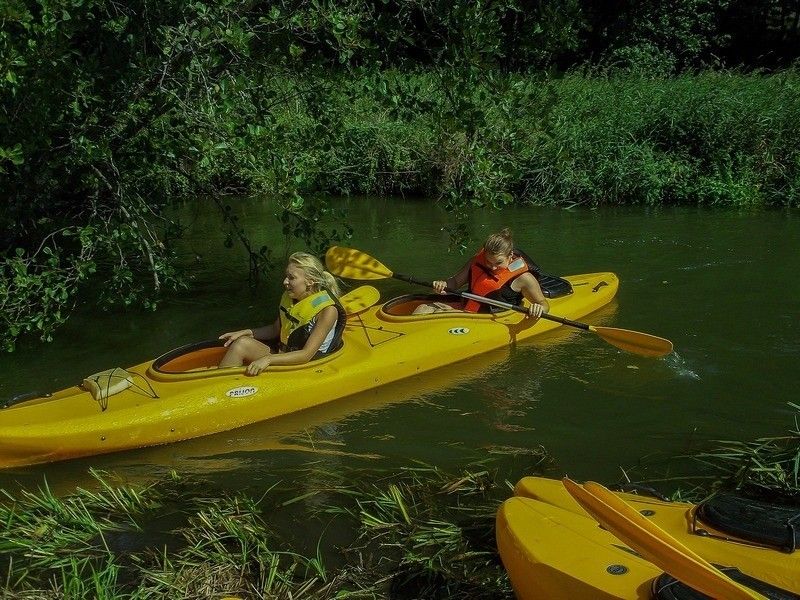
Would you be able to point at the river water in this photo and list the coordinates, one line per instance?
(722, 285)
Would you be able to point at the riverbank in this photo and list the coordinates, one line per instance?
(313, 533)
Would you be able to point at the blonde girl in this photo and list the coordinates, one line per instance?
(309, 321)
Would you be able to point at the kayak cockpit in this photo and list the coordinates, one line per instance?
(757, 521)
(191, 357)
(202, 357)
(201, 360)
(404, 306)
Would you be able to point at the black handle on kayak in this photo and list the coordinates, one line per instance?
(493, 302)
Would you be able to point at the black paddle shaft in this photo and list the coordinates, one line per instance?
(498, 303)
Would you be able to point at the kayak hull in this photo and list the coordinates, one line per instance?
(186, 396)
(553, 554)
(543, 530)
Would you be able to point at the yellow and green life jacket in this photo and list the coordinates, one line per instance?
(296, 318)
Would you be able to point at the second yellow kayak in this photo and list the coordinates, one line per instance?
(553, 549)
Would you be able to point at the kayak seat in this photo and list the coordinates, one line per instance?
(552, 286)
(191, 357)
(666, 587)
(753, 520)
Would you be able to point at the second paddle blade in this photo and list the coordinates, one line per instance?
(354, 264)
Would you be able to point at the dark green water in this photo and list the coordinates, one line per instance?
(723, 286)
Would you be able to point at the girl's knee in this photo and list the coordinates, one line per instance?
(248, 349)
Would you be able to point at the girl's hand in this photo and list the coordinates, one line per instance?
(440, 286)
(257, 366)
(232, 336)
(535, 310)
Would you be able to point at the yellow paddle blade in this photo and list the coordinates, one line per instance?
(359, 299)
(354, 264)
(655, 544)
(634, 341)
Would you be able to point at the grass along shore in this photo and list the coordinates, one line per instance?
(416, 533)
(315, 533)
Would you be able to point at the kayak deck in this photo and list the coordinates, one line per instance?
(554, 554)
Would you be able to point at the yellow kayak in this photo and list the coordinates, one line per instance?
(182, 395)
(553, 549)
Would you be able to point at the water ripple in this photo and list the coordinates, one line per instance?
(681, 366)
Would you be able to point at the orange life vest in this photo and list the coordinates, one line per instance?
(483, 280)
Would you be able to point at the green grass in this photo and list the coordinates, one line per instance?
(315, 532)
(712, 139)
(416, 533)
(768, 466)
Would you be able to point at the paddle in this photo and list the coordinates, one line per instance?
(354, 264)
(655, 544)
(359, 299)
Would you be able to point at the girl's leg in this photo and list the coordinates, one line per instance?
(433, 307)
(244, 351)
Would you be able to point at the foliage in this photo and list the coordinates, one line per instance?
(108, 111)
(654, 39)
(709, 139)
(763, 33)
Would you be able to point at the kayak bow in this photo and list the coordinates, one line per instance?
(553, 549)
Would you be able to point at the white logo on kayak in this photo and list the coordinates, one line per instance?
(241, 392)
(458, 331)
